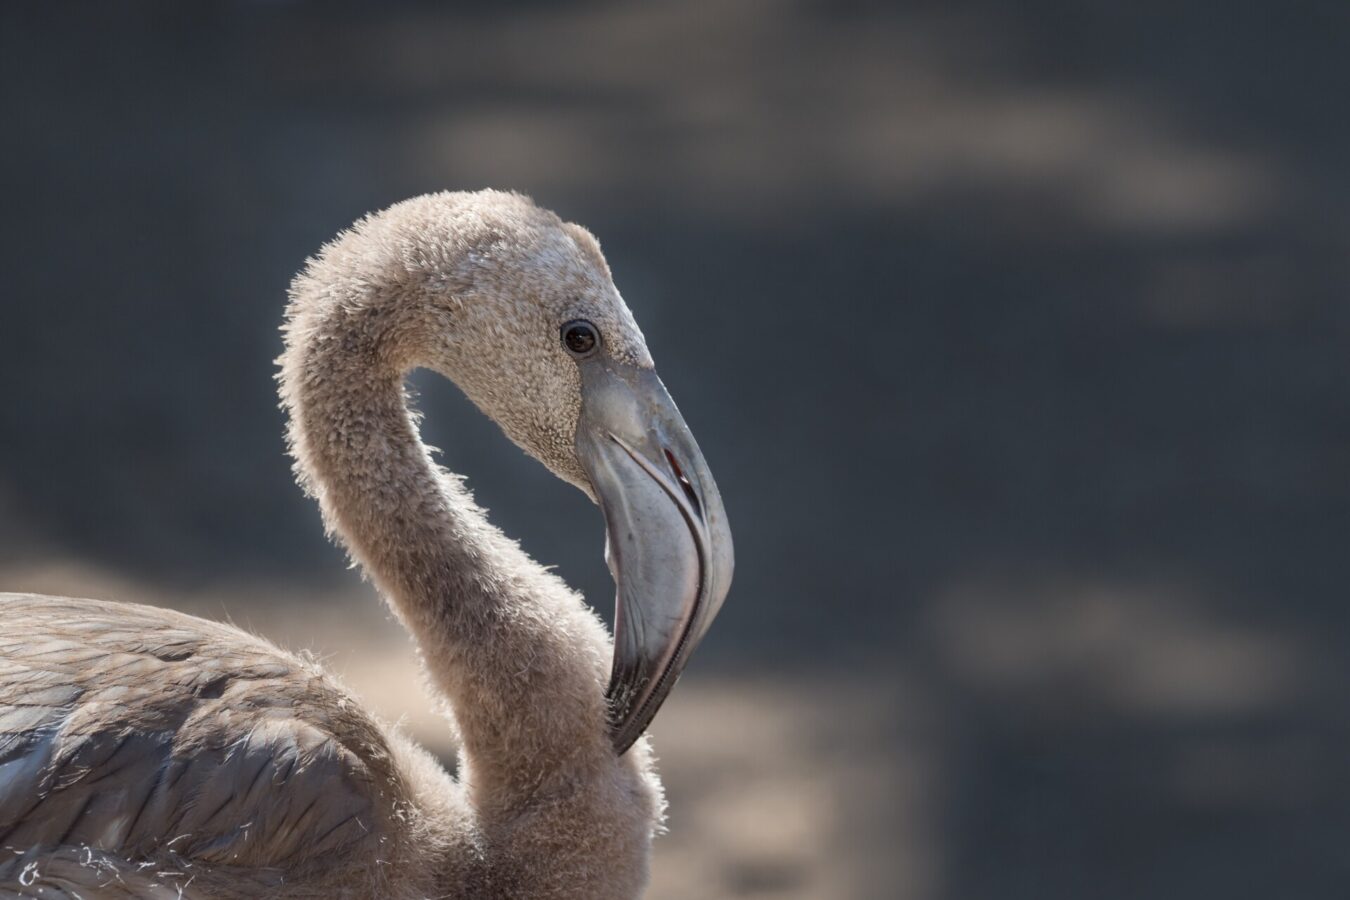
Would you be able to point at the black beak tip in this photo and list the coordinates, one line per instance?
(630, 713)
(622, 730)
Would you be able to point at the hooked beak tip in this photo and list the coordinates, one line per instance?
(667, 542)
(636, 693)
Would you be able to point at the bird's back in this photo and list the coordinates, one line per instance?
(142, 745)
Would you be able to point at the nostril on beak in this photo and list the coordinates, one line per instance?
(683, 481)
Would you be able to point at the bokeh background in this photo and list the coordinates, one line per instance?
(1016, 335)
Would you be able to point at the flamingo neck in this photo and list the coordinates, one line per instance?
(519, 657)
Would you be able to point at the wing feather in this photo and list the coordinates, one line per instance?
(134, 738)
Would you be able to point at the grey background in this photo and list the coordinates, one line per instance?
(1015, 335)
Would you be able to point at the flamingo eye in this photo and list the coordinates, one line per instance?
(580, 338)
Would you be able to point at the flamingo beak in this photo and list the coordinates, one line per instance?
(667, 541)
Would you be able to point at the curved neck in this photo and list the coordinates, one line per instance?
(518, 655)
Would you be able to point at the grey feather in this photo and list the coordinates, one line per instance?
(134, 733)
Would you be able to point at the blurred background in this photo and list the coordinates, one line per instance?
(1015, 335)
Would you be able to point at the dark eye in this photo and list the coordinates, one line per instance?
(580, 337)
